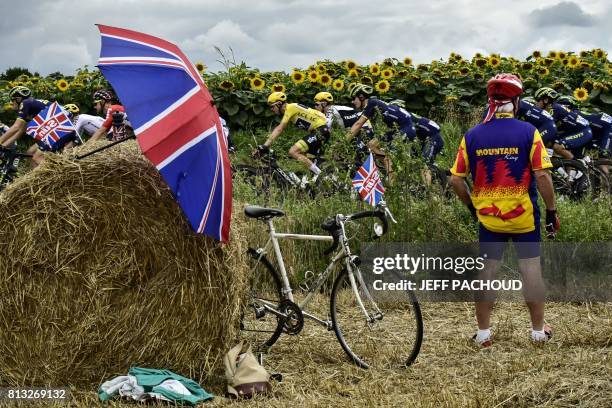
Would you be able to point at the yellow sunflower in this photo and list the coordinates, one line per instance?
(493, 61)
(573, 61)
(321, 69)
(558, 85)
(478, 76)
(548, 61)
(374, 69)
(297, 77)
(422, 67)
(543, 71)
(257, 84)
(429, 82)
(383, 86)
(350, 64)
(552, 54)
(464, 70)
(451, 99)
(313, 76)
(565, 61)
(581, 94)
(325, 80)
(278, 88)
(353, 73)
(402, 73)
(599, 53)
(561, 55)
(584, 53)
(585, 64)
(480, 62)
(536, 54)
(407, 61)
(587, 83)
(226, 85)
(201, 67)
(367, 80)
(61, 84)
(338, 84)
(527, 66)
(478, 55)
(386, 73)
(599, 85)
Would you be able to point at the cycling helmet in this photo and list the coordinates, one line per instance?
(102, 95)
(276, 97)
(20, 91)
(530, 100)
(503, 86)
(398, 102)
(323, 97)
(72, 108)
(567, 100)
(361, 89)
(546, 92)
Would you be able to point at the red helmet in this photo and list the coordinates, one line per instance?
(504, 85)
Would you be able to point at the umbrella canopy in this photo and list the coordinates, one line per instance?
(176, 124)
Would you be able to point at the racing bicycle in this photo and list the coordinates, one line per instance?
(9, 163)
(373, 332)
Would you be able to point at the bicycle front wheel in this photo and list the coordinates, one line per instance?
(259, 325)
(391, 333)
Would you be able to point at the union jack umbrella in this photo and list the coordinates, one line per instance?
(368, 184)
(177, 126)
(51, 128)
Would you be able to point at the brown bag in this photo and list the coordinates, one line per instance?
(245, 376)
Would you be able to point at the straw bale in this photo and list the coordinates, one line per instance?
(99, 271)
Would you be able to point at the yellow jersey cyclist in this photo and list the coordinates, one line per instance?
(344, 117)
(305, 118)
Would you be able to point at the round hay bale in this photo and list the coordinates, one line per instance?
(100, 271)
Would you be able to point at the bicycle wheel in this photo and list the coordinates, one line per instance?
(258, 325)
(600, 182)
(570, 179)
(389, 338)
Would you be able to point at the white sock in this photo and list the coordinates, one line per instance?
(315, 169)
(483, 335)
(538, 335)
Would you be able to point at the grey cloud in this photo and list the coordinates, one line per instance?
(564, 13)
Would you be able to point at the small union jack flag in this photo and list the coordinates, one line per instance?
(51, 128)
(367, 182)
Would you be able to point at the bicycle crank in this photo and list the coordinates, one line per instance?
(293, 322)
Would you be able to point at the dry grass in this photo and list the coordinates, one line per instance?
(574, 369)
(99, 270)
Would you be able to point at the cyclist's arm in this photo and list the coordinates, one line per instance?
(460, 170)
(14, 133)
(275, 133)
(357, 126)
(461, 189)
(545, 187)
(99, 134)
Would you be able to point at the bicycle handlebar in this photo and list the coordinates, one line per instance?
(332, 225)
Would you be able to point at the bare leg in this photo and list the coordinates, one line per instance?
(297, 154)
(533, 290)
(486, 299)
(562, 151)
(374, 147)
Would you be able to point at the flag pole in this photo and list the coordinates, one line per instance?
(116, 142)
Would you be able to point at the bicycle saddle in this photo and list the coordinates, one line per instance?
(254, 211)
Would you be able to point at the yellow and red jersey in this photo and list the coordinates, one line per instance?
(501, 156)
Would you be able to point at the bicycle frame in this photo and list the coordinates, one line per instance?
(342, 253)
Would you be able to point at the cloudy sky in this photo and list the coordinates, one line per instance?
(60, 35)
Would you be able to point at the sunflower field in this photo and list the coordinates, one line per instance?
(240, 91)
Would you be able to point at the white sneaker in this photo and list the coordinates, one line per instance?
(538, 337)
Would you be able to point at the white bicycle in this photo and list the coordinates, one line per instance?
(381, 334)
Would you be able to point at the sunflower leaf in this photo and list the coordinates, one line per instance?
(232, 109)
(606, 98)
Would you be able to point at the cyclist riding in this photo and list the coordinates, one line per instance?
(28, 108)
(344, 117)
(600, 123)
(304, 118)
(85, 125)
(573, 130)
(427, 131)
(116, 119)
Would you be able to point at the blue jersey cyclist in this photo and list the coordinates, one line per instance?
(573, 131)
(600, 123)
(541, 119)
(28, 108)
(427, 131)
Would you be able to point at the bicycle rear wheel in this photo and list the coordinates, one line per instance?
(259, 326)
(390, 337)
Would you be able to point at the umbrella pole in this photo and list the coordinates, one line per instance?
(104, 147)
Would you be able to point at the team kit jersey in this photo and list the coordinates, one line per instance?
(343, 117)
(568, 121)
(88, 124)
(501, 156)
(392, 115)
(424, 127)
(108, 121)
(601, 126)
(29, 108)
(303, 117)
